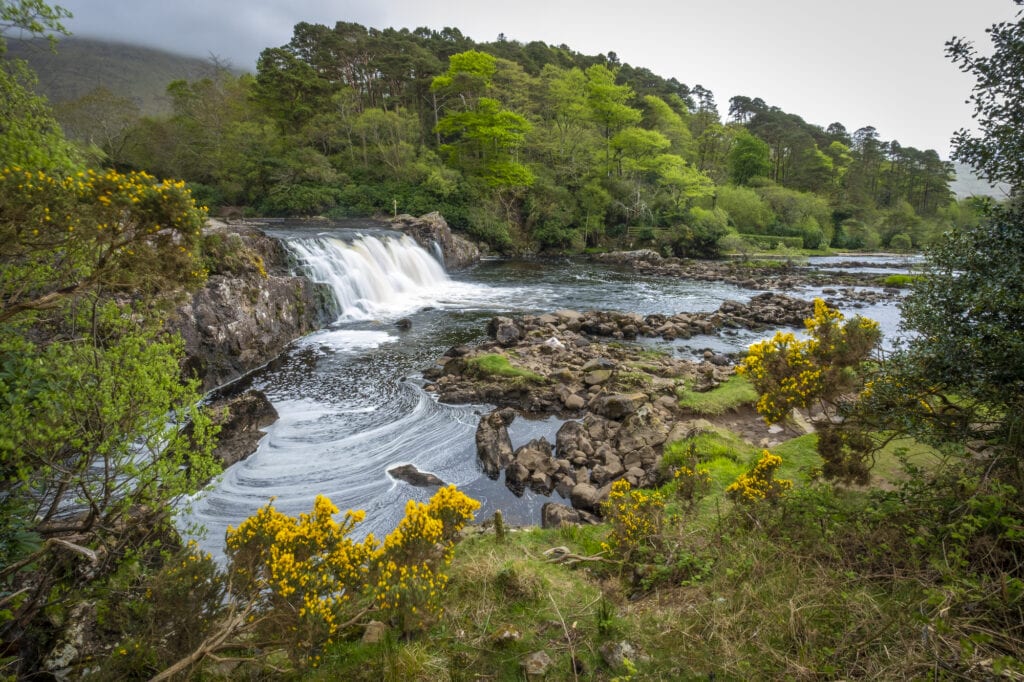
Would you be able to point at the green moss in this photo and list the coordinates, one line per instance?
(733, 393)
(496, 364)
(900, 280)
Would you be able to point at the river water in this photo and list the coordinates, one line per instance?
(350, 399)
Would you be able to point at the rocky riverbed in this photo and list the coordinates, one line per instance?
(619, 399)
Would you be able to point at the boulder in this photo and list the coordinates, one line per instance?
(430, 231)
(587, 497)
(493, 445)
(556, 515)
(413, 476)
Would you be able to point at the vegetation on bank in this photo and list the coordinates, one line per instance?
(744, 563)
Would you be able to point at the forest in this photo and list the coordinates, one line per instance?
(528, 147)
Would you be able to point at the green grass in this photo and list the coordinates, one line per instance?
(496, 364)
(731, 394)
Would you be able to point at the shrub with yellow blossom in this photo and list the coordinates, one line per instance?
(635, 518)
(790, 372)
(824, 370)
(759, 483)
(62, 234)
(308, 580)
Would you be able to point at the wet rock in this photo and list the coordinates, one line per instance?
(404, 324)
(241, 419)
(493, 445)
(245, 316)
(618, 405)
(556, 515)
(532, 466)
(432, 230)
(413, 476)
(597, 377)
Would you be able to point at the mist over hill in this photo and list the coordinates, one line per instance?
(80, 65)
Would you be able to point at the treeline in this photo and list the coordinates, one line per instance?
(524, 145)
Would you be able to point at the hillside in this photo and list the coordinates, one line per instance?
(81, 65)
(967, 184)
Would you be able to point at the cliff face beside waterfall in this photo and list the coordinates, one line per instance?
(251, 308)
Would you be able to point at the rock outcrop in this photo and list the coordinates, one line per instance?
(241, 419)
(251, 308)
(432, 229)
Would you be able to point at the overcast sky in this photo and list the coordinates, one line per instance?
(859, 62)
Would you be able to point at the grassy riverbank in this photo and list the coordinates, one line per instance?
(797, 590)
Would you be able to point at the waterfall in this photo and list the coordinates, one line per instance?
(372, 276)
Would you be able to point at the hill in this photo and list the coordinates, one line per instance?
(81, 65)
(968, 184)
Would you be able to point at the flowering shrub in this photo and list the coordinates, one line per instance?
(307, 579)
(759, 484)
(127, 231)
(693, 482)
(789, 372)
(635, 517)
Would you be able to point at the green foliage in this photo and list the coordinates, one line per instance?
(748, 158)
(747, 210)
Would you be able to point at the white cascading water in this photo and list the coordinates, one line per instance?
(372, 277)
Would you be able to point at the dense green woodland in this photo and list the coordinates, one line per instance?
(724, 571)
(525, 145)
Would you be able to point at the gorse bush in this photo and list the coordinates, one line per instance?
(304, 580)
(759, 484)
(635, 520)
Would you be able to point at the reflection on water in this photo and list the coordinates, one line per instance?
(349, 399)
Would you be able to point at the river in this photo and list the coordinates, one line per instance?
(350, 399)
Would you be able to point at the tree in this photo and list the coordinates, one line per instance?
(997, 152)
(748, 158)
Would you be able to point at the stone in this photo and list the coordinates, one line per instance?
(493, 444)
(413, 476)
(536, 664)
(618, 405)
(613, 654)
(404, 324)
(597, 377)
(574, 402)
(375, 632)
(585, 496)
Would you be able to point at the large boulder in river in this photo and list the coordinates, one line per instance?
(532, 466)
(430, 231)
(493, 445)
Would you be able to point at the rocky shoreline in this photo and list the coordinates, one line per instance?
(620, 400)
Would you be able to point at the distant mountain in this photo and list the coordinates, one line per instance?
(81, 65)
(968, 184)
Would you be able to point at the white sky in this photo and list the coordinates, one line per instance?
(859, 62)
